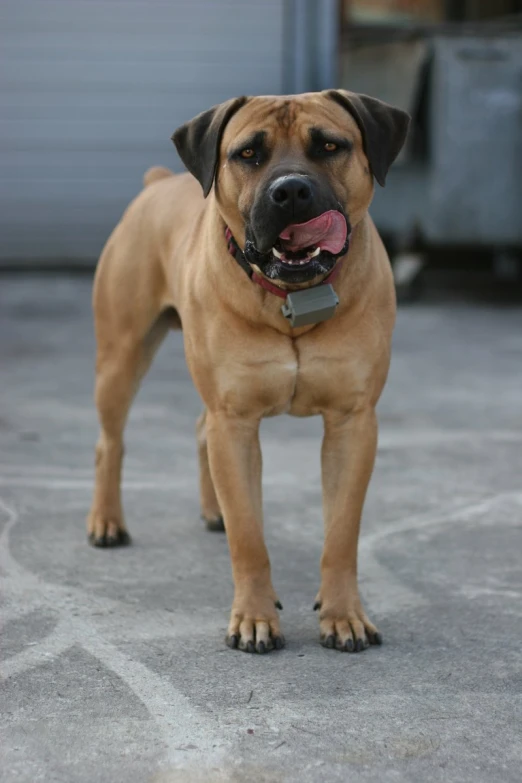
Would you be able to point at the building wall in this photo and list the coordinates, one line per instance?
(90, 92)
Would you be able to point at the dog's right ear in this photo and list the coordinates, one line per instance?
(198, 141)
(383, 128)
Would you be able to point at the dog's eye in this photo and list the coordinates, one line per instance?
(253, 154)
(326, 145)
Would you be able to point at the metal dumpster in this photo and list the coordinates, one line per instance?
(465, 187)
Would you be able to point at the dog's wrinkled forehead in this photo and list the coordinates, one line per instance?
(287, 119)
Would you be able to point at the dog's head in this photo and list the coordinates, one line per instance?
(293, 174)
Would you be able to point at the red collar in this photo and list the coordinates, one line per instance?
(237, 253)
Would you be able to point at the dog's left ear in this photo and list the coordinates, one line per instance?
(383, 127)
(198, 141)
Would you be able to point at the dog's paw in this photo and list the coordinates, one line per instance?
(254, 625)
(104, 531)
(346, 629)
(215, 524)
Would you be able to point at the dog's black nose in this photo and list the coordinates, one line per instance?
(291, 193)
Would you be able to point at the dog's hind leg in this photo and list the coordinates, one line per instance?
(120, 368)
(128, 336)
(210, 511)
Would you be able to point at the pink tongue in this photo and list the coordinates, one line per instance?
(328, 231)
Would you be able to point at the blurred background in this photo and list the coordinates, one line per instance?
(91, 90)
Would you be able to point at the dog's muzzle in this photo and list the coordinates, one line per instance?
(301, 245)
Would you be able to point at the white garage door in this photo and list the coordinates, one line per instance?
(90, 91)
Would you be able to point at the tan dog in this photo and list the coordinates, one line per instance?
(292, 179)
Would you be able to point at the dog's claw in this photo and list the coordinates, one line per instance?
(121, 539)
(232, 642)
(279, 605)
(317, 606)
(350, 645)
(329, 642)
(375, 638)
(262, 648)
(107, 542)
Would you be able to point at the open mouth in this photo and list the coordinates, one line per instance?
(303, 251)
(302, 243)
(295, 258)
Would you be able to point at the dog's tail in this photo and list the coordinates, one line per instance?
(156, 173)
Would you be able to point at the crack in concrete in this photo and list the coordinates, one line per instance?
(177, 720)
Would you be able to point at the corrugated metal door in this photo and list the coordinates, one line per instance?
(90, 92)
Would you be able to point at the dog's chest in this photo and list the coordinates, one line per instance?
(301, 385)
(259, 386)
(327, 383)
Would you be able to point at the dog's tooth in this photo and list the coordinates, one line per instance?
(316, 252)
(276, 253)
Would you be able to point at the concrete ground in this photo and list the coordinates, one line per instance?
(114, 663)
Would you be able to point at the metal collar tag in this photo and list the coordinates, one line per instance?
(310, 306)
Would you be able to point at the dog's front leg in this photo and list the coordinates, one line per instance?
(347, 458)
(235, 464)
